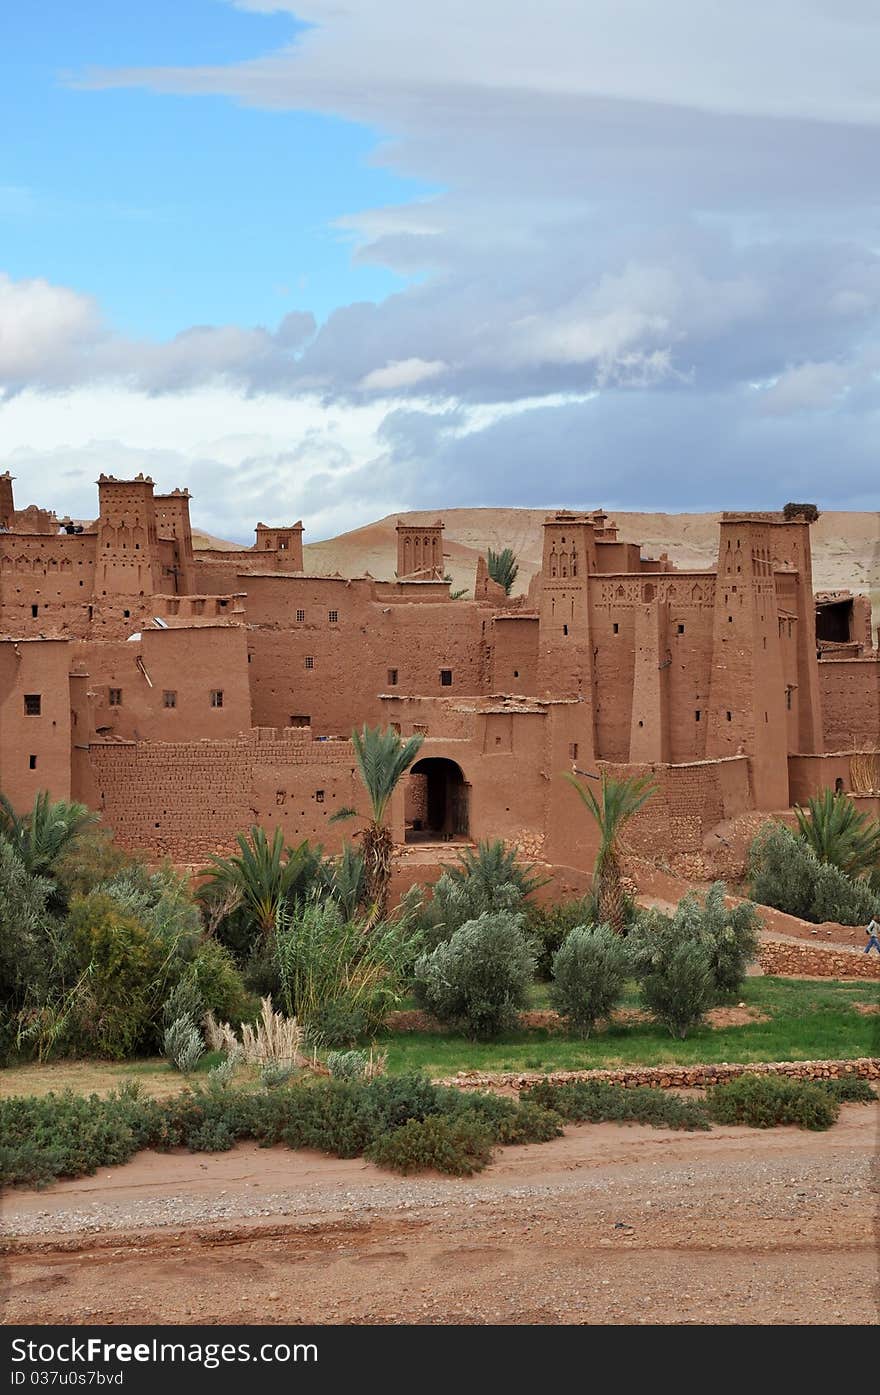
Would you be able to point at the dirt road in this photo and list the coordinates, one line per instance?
(609, 1224)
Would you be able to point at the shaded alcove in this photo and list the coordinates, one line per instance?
(436, 801)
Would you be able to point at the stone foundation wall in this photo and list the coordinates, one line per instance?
(670, 1077)
(812, 961)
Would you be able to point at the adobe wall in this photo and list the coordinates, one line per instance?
(192, 798)
(850, 694)
(691, 800)
(332, 664)
(54, 573)
(682, 613)
(188, 665)
(42, 740)
(809, 775)
(515, 654)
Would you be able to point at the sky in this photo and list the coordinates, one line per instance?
(332, 259)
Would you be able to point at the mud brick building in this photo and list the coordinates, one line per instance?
(187, 693)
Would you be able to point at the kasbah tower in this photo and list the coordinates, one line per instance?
(188, 693)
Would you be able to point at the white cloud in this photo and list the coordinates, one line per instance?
(401, 373)
(43, 328)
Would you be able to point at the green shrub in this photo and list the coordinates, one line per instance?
(849, 1089)
(764, 1101)
(480, 979)
(336, 976)
(784, 872)
(485, 880)
(338, 1024)
(680, 988)
(183, 1044)
(729, 935)
(589, 974)
(126, 973)
(458, 1146)
(347, 1065)
(597, 1101)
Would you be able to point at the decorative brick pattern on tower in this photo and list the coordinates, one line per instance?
(420, 551)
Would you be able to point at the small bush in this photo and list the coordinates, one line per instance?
(480, 979)
(597, 1101)
(849, 1089)
(764, 1101)
(274, 1076)
(126, 966)
(338, 1024)
(786, 873)
(183, 1043)
(347, 1065)
(589, 974)
(681, 987)
(458, 1146)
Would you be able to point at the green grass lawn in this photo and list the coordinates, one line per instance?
(808, 1020)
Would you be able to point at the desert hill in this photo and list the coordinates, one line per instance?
(846, 546)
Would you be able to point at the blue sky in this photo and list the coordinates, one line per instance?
(334, 259)
(175, 211)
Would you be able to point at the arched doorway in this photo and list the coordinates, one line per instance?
(436, 801)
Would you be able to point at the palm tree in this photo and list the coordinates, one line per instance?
(503, 567)
(618, 802)
(382, 757)
(494, 865)
(262, 877)
(47, 830)
(838, 833)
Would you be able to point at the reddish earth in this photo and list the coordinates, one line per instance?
(606, 1225)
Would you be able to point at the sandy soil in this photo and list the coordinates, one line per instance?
(608, 1224)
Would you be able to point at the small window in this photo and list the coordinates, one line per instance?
(573, 750)
(126, 614)
(299, 719)
(33, 704)
(446, 677)
(616, 628)
(698, 716)
(216, 697)
(300, 615)
(310, 661)
(419, 729)
(730, 716)
(333, 617)
(169, 698)
(681, 629)
(319, 796)
(392, 678)
(395, 726)
(35, 610)
(114, 697)
(565, 629)
(32, 762)
(516, 673)
(788, 698)
(730, 619)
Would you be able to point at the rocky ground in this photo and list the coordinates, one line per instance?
(609, 1224)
